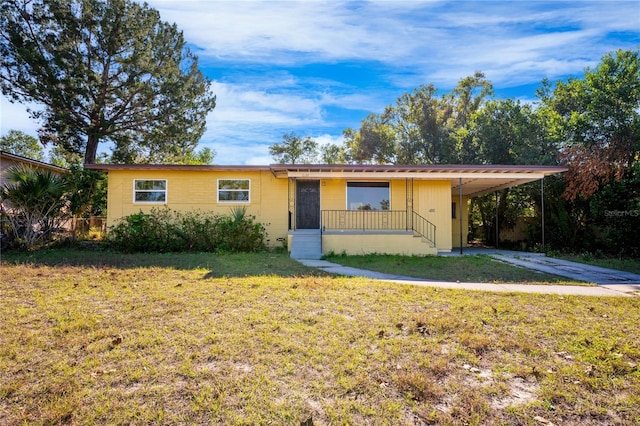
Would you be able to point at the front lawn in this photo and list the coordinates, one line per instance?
(182, 339)
(236, 264)
(477, 268)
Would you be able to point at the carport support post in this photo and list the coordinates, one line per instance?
(542, 209)
(497, 224)
(461, 210)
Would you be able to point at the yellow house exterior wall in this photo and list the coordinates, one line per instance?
(197, 190)
(455, 223)
(189, 191)
(363, 243)
(432, 200)
(333, 194)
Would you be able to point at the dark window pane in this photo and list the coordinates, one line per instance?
(233, 195)
(368, 196)
(368, 184)
(151, 196)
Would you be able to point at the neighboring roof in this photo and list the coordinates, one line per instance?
(31, 162)
(476, 179)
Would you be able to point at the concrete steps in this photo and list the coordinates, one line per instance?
(306, 244)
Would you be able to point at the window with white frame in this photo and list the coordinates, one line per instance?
(234, 190)
(150, 191)
(368, 196)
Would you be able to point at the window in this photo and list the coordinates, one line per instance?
(368, 196)
(234, 190)
(453, 210)
(149, 191)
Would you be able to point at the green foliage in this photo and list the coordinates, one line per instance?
(595, 122)
(39, 201)
(164, 230)
(332, 154)
(423, 127)
(597, 118)
(154, 232)
(36, 204)
(61, 157)
(204, 156)
(87, 192)
(104, 71)
(19, 143)
(615, 211)
(591, 124)
(294, 149)
(372, 143)
(238, 232)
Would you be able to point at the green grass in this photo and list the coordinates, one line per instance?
(181, 339)
(629, 265)
(237, 264)
(477, 268)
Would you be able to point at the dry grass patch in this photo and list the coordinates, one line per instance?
(160, 345)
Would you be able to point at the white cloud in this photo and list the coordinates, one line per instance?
(430, 37)
(326, 139)
(287, 31)
(239, 103)
(248, 119)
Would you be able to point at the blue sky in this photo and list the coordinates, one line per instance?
(318, 67)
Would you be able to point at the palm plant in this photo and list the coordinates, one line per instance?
(35, 203)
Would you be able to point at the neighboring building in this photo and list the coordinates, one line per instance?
(7, 160)
(319, 209)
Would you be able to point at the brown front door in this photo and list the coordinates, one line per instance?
(308, 204)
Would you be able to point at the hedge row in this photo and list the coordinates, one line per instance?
(165, 230)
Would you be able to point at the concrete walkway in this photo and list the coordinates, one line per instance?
(610, 282)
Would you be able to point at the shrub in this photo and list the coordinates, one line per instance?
(239, 232)
(199, 230)
(147, 232)
(163, 230)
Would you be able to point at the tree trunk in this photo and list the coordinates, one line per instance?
(91, 150)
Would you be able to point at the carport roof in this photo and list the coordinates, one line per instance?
(476, 179)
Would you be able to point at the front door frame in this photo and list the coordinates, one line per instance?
(308, 204)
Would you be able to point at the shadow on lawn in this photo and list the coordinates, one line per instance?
(218, 265)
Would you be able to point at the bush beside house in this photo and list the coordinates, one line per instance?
(166, 230)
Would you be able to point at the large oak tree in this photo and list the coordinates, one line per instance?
(103, 71)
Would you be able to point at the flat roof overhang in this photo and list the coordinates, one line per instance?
(476, 179)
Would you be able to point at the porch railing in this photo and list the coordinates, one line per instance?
(424, 228)
(378, 220)
(364, 220)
